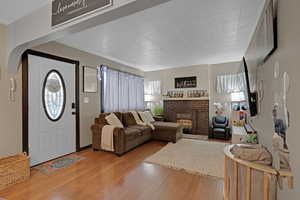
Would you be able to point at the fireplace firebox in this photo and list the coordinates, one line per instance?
(192, 114)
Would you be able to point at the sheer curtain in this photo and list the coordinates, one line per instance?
(230, 83)
(121, 91)
(153, 94)
(110, 81)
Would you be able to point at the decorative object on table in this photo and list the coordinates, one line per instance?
(175, 94)
(192, 156)
(251, 139)
(158, 110)
(90, 79)
(159, 118)
(13, 170)
(186, 82)
(60, 163)
(219, 109)
(253, 153)
(281, 154)
(186, 94)
(197, 93)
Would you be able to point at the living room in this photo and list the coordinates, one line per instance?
(150, 100)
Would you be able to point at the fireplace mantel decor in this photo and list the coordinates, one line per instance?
(192, 114)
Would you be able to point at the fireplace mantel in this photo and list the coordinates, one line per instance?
(187, 99)
(193, 109)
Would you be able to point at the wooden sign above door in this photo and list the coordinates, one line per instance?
(64, 11)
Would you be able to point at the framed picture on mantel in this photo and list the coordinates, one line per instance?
(186, 82)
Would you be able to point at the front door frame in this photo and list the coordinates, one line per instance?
(25, 94)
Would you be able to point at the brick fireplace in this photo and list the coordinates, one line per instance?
(192, 114)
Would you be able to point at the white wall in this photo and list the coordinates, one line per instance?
(287, 55)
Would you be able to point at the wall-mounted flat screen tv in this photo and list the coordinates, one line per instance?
(250, 84)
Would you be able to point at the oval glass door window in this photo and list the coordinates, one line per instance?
(54, 95)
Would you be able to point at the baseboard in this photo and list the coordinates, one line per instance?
(86, 147)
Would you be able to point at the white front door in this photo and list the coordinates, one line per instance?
(51, 100)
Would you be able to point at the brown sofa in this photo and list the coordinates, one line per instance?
(133, 135)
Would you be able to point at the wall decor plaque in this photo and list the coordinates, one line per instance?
(186, 82)
(64, 11)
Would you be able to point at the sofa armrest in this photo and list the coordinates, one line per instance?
(96, 131)
(119, 141)
(119, 138)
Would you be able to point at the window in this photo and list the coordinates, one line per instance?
(153, 94)
(238, 96)
(54, 95)
(121, 91)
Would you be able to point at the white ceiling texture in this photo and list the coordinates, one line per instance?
(175, 34)
(12, 10)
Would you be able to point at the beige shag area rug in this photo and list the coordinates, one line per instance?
(193, 156)
(195, 137)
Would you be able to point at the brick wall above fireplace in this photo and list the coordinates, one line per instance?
(193, 114)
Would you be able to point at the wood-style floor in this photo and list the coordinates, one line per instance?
(104, 176)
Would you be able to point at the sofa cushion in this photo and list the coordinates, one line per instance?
(113, 120)
(166, 125)
(132, 133)
(143, 129)
(128, 119)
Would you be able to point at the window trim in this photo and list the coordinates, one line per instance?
(64, 91)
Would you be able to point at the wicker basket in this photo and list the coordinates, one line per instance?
(14, 169)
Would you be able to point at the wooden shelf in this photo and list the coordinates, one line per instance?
(187, 99)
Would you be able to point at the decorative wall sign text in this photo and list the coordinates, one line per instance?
(66, 10)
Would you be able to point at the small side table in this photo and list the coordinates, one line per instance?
(159, 118)
(238, 134)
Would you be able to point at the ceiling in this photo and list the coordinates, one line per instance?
(12, 10)
(174, 34)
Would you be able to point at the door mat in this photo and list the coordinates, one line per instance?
(60, 163)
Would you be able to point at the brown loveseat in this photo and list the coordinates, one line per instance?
(133, 135)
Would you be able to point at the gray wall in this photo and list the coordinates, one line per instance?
(11, 112)
(206, 79)
(167, 77)
(214, 71)
(287, 55)
(88, 111)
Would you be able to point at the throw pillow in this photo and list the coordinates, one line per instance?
(144, 117)
(137, 118)
(149, 116)
(147, 120)
(113, 120)
(128, 119)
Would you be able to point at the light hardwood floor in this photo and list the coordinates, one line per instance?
(104, 176)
